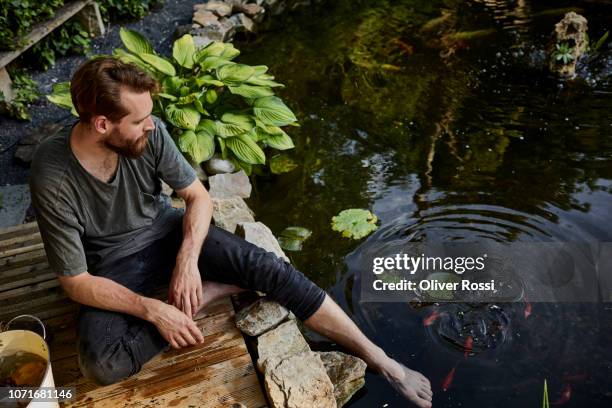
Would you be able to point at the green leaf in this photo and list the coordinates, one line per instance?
(259, 70)
(279, 142)
(281, 163)
(272, 111)
(167, 96)
(185, 117)
(354, 223)
(254, 80)
(245, 122)
(187, 99)
(251, 91)
(199, 146)
(246, 149)
(291, 238)
(602, 40)
(214, 62)
(172, 85)
(229, 51)
(208, 80)
(228, 129)
(183, 51)
(210, 96)
(135, 42)
(214, 49)
(234, 74)
(159, 63)
(126, 57)
(207, 125)
(60, 96)
(200, 108)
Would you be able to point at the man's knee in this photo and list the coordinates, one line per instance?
(105, 368)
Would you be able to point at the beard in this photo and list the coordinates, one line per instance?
(132, 149)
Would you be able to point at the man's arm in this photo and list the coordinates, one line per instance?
(103, 293)
(185, 290)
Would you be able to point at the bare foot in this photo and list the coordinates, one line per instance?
(212, 291)
(411, 384)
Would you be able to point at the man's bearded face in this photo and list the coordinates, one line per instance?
(125, 146)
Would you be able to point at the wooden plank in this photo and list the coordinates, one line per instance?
(226, 343)
(29, 289)
(17, 230)
(17, 251)
(21, 241)
(63, 339)
(44, 28)
(19, 260)
(43, 311)
(198, 384)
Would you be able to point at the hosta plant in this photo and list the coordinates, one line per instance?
(211, 102)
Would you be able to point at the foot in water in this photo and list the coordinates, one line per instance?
(411, 384)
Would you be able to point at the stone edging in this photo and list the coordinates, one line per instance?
(294, 375)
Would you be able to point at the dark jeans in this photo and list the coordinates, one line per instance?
(112, 346)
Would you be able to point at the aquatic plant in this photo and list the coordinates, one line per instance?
(211, 102)
(545, 402)
(563, 53)
(291, 238)
(355, 223)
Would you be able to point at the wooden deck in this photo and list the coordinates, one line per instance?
(218, 373)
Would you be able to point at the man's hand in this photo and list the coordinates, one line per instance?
(178, 329)
(185, 291)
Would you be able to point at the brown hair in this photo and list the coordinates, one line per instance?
(96, 85)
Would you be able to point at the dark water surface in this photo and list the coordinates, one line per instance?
(450, 139)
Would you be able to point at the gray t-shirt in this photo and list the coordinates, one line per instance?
(86, 223)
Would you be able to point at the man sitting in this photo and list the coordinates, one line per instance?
(112, 238)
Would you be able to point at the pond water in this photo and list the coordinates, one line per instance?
(449, 139)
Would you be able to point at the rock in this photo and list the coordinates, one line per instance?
(220, 8)
(205, 18)
(246, 22)
(299, 381)
(261, 316)
(250, 9)
(572, 32)
(29, 142)
(346, 372)
(217, 165)
(237, 26)
(14, 202)
(259, 234)
(230, 185)
(229, 212)
(280, 343)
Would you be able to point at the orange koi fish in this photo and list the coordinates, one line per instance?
(566, 394)
(469, 343)
(448, 379)
(431, 318)
(527, 312)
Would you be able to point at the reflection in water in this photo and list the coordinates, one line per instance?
(441, 118)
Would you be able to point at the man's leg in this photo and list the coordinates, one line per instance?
(112, 346)
(331, 321)
(236, 263)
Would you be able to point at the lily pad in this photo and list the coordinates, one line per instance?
(355, 223)
(291, 238)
